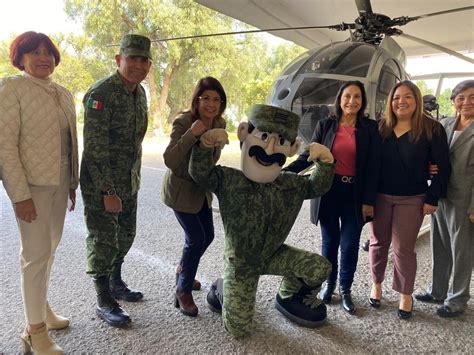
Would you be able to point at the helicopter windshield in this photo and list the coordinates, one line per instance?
(313, 101)
(345, 58)
(298, 61)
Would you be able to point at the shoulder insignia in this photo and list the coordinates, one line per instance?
(95, 104)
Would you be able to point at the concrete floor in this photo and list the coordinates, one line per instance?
(159, 328)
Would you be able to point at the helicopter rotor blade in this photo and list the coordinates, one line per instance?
(438, 47)
(364, 7)
(340, 27)
(403, 20)
(466, 8)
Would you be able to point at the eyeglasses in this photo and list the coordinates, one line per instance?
(207, 99)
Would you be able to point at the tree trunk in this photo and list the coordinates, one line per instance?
(154, 103)
(159, 112)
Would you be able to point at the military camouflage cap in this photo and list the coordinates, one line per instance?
(276, 120)
(135, 45)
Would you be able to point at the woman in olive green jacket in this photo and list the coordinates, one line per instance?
(190, 203)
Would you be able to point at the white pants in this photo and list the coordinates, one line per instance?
(39, 241)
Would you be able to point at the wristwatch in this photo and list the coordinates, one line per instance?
(109, 192)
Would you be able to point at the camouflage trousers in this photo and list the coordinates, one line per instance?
(109, 235)
(298, 267)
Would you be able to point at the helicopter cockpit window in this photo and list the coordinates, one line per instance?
(347, 58)
(313, 101)
(389, 76)
(297, 62)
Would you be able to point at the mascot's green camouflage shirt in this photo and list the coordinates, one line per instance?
(114, 127)
(257, 217)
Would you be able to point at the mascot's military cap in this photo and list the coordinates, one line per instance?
(274, 119)
(135, 45)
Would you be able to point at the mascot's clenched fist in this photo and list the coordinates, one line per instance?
(216, 137)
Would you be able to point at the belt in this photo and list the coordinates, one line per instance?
(346, 179)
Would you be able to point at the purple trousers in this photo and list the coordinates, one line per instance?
(397, 221)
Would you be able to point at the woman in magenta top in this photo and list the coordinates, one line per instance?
(354, 143)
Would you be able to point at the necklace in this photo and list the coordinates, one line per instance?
(349, 131)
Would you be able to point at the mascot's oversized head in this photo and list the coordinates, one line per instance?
(267, 139)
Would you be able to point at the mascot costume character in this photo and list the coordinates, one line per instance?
(259, 205)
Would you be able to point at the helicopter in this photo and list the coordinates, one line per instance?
(309, 84)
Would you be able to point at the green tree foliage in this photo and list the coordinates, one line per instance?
(446, 107)
(6, 68)
(246, 65)
(78, 67)
(258, 89)
(423, 88)
(241, 63)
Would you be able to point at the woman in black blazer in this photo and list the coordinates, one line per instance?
(355, 143)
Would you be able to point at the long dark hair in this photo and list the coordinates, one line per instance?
(207, 83)
(421, 123)
(337, 103)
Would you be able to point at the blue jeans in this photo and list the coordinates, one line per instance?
(198, 235)
(339, 228)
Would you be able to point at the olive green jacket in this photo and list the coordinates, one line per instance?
(178, 190)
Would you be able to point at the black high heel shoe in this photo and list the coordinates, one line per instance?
(375, 302)
(406, 314)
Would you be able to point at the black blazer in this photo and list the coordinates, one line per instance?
(367, 161)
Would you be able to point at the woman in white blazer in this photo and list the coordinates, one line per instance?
(39, 159)
(452, 226)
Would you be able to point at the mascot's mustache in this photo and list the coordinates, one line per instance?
(265, 159)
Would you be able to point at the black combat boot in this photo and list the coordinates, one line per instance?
(107, 307)
(304, 307)
(215, 297)
(119, 288)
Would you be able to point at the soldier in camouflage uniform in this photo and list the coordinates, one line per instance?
(259, 206)
(115, 122)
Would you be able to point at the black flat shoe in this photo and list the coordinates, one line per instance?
(374, 302)
(447, 312)
(406, 314)
(347, 303)
(427, 297)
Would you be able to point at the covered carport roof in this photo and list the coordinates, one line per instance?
(454, 31)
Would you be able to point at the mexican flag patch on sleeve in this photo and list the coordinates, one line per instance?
(95, 104)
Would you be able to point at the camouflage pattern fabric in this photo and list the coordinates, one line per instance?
(274, 119)
(110, 235)
(257, 220)
(115, 123)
